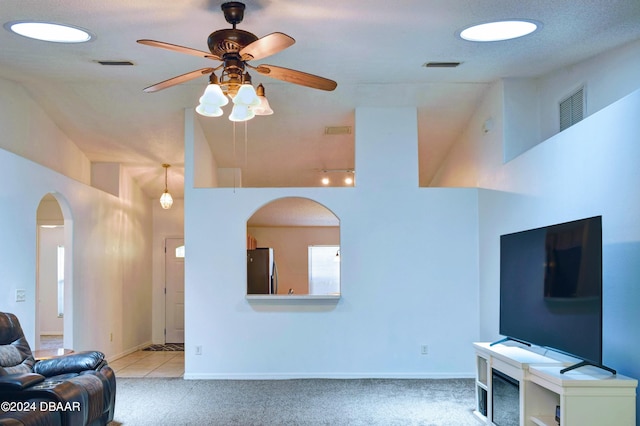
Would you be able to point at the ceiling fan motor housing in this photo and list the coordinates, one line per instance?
(229, 40)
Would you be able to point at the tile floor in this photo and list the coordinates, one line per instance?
(136, 364)
(150, 364)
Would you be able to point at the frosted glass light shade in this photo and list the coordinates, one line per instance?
(166, 200)
(241, 113)
(246, 96)
(213, 95)
(264, 108)
(209, 110)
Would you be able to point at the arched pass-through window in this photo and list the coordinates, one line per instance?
(287, 243)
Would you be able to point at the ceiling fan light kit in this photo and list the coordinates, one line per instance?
(235, 48)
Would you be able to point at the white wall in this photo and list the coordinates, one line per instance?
(607, 77)
(525, 112)
(409, 274)
(531, 106)
(23, 120)
(111, 266)
(476, 148)
(204, 161)
(590, 169)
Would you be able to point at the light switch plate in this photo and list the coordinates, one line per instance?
(21, 295)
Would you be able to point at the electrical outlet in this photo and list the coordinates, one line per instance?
(21, 295)
(198, 350)
(424, 350)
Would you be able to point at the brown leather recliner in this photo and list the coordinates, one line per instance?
(74, 389)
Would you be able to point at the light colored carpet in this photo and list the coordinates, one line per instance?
(305, 402)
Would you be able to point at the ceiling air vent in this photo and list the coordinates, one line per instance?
(572, 109)
(116, 63)
(441, 64)
(337, 130)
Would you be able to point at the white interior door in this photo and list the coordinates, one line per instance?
(174, 290)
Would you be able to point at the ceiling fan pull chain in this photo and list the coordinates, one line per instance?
(246, 143)
(235, 158)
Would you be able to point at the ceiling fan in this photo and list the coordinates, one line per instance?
(235, 48)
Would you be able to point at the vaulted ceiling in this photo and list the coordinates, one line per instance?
(374, 50)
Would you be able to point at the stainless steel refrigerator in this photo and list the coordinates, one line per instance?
(262, 274)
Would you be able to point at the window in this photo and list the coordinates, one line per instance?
(60, 281)
(324, 269)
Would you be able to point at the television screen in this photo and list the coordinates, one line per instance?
(551, 287)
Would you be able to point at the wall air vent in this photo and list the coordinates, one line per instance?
(441, 64)
(115, 63)
(337, 130)
(572, 109)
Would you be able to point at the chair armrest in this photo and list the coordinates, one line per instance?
(16, 382)
(72, 363)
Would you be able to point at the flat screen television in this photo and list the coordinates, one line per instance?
(551, 288)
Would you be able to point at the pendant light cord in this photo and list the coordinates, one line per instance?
(166, 170)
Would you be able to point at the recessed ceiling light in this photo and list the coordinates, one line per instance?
(48, 31)
(499, 30)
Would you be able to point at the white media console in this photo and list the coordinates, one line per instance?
(535, 387)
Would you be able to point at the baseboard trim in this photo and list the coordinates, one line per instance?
(352, 376)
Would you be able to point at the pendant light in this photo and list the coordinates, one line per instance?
(166, 200)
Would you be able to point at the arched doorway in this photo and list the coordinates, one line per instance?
(53, 274)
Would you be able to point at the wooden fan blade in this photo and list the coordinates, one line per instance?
(297, 77)
(266, 46)
(179, 49)
(178, 80)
